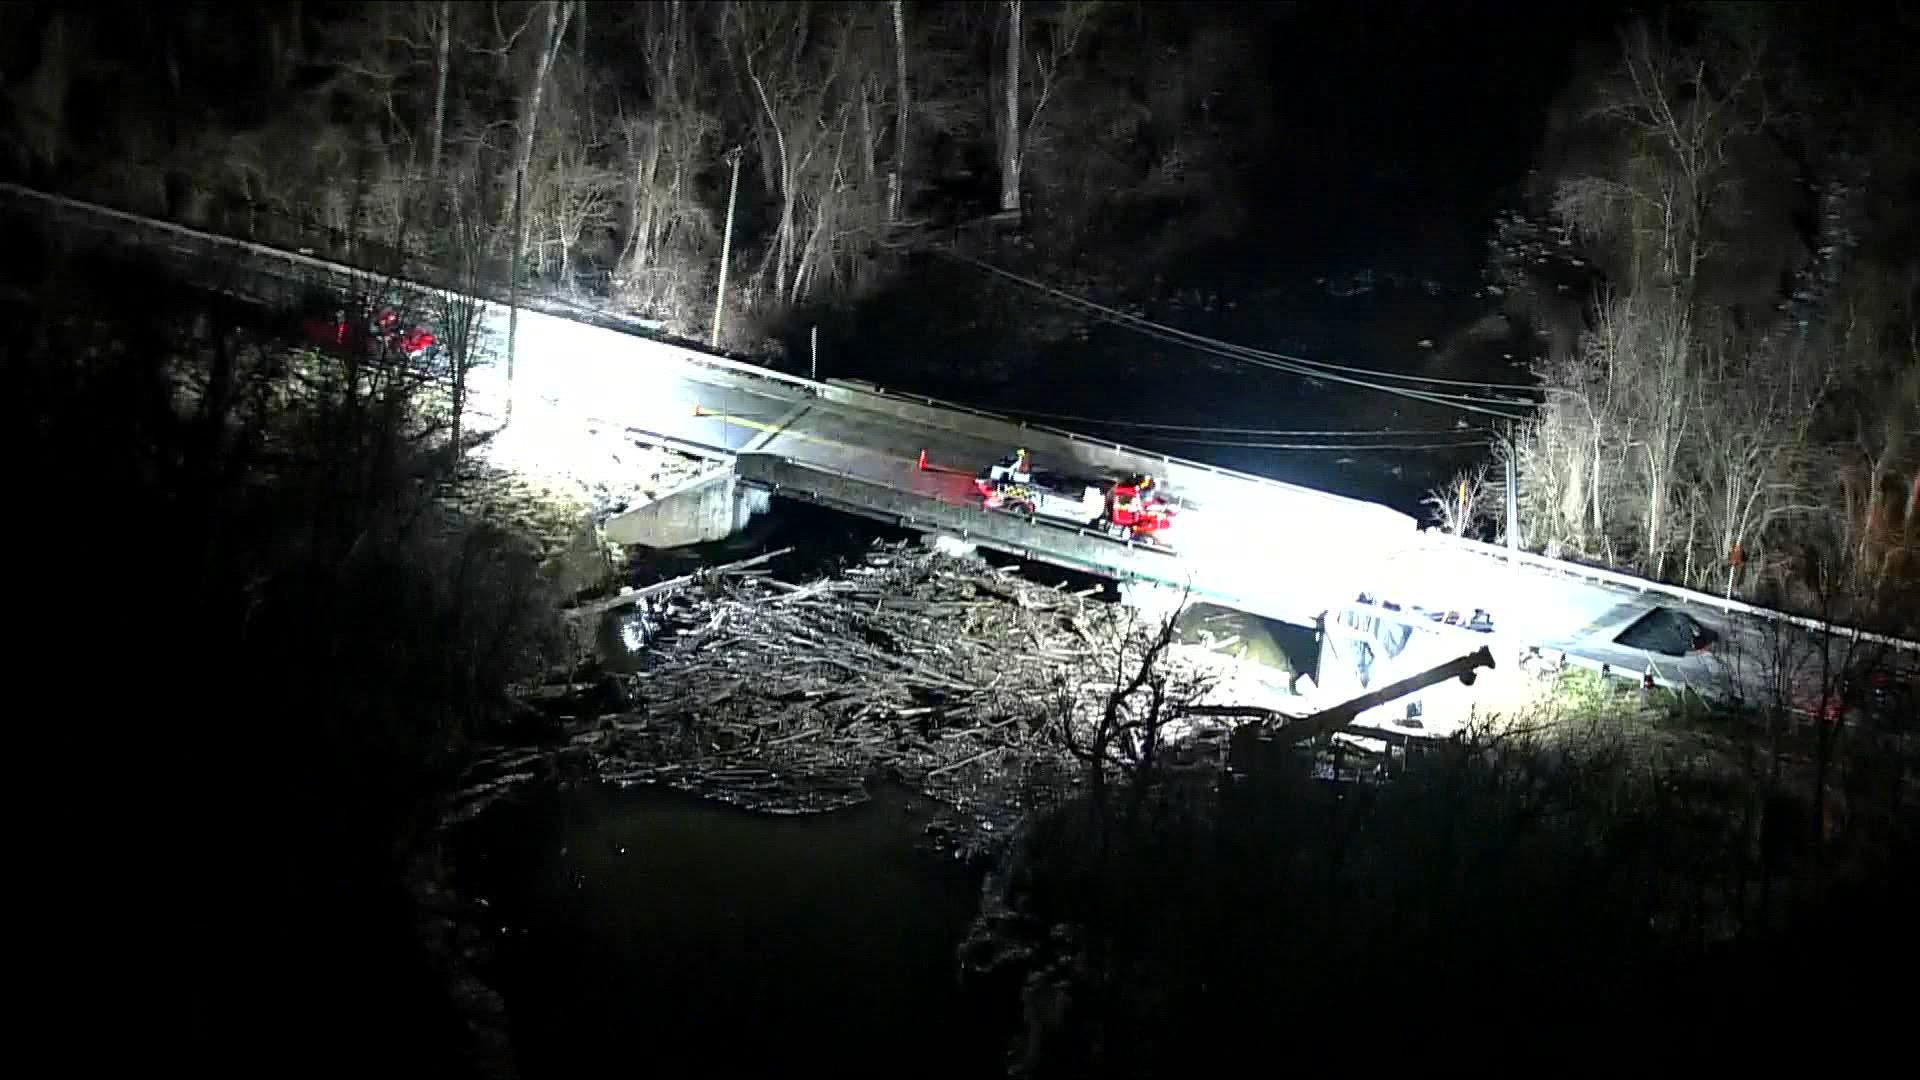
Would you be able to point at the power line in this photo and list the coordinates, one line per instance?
(1229, 444)
(1249, 351)
(1277, 361)
(1148, 425)
(1454, 401)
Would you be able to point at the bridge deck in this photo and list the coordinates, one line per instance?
(1243, 541)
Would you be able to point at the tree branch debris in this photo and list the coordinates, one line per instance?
(940, 672)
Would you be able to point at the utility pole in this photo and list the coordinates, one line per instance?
(513, 293)
(726, 248)
(1513, 502)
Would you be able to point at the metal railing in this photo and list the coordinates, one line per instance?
(613, 323)
(207, 242)
(1104, 444)
(1035, 538)
(1689, 596)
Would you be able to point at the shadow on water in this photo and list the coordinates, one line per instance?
(822, 540)
(635, 929)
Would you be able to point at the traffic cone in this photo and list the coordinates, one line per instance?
(698, 411)
(923, 460)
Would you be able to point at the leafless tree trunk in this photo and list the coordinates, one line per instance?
(557, 14)
(42, 103)
(1665, 379)
(902, 114)
(458, 311)
(662, 268)
(808, 85)
(442, 43)
(1011, 130)
(1060, 29)
(1684, 114)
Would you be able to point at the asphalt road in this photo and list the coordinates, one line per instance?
(1259, 537)
(1275, 548)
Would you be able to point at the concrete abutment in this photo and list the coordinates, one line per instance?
(707, 509)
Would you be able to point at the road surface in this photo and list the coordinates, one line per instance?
(1275, 549)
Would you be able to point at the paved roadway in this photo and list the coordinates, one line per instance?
(1277, 550)
(1752, 655)
(1238, 540)
(1272, 548)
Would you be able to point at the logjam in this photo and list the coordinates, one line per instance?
(942, 672)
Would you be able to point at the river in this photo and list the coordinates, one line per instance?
(636, 930)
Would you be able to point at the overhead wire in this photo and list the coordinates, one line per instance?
(1277, 361)
(1150, 425)
(1250, 351)
(1465, 404)
(1260, 445)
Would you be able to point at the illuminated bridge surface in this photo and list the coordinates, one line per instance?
(1242, 541)
(1258, 545)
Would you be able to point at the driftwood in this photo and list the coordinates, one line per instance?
(937, 670)
(634, 596)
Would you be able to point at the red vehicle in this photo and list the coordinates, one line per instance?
(1129, 507)
(382, 335)
(1881, 698)
(1134, 507)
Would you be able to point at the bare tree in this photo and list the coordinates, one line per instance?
(1123, 727)
(1753, 450)
(901, 113)
(1684, 114)
(41, 104)
(457, 309)
(1572, 459)
(1874, 478)
(1464, 503)
(1661, 382)
(573, 189)
(807, 83)
(443, 41)
(1010, 123)
(1033, 78)
(556, 13)
(669, 232)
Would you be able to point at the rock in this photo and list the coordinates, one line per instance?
(582, 565)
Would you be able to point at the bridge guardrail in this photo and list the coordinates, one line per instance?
(1690, 596)
(1009, 532)
(344, 272)
(851, 386)
(572, 313)
(812, 388)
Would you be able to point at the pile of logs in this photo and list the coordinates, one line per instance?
(945, 673)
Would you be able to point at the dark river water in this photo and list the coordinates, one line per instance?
(636, 930)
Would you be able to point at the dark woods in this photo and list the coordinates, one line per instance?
(1732, 395)
(593, 141)
(278, 639)
(261, 600)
